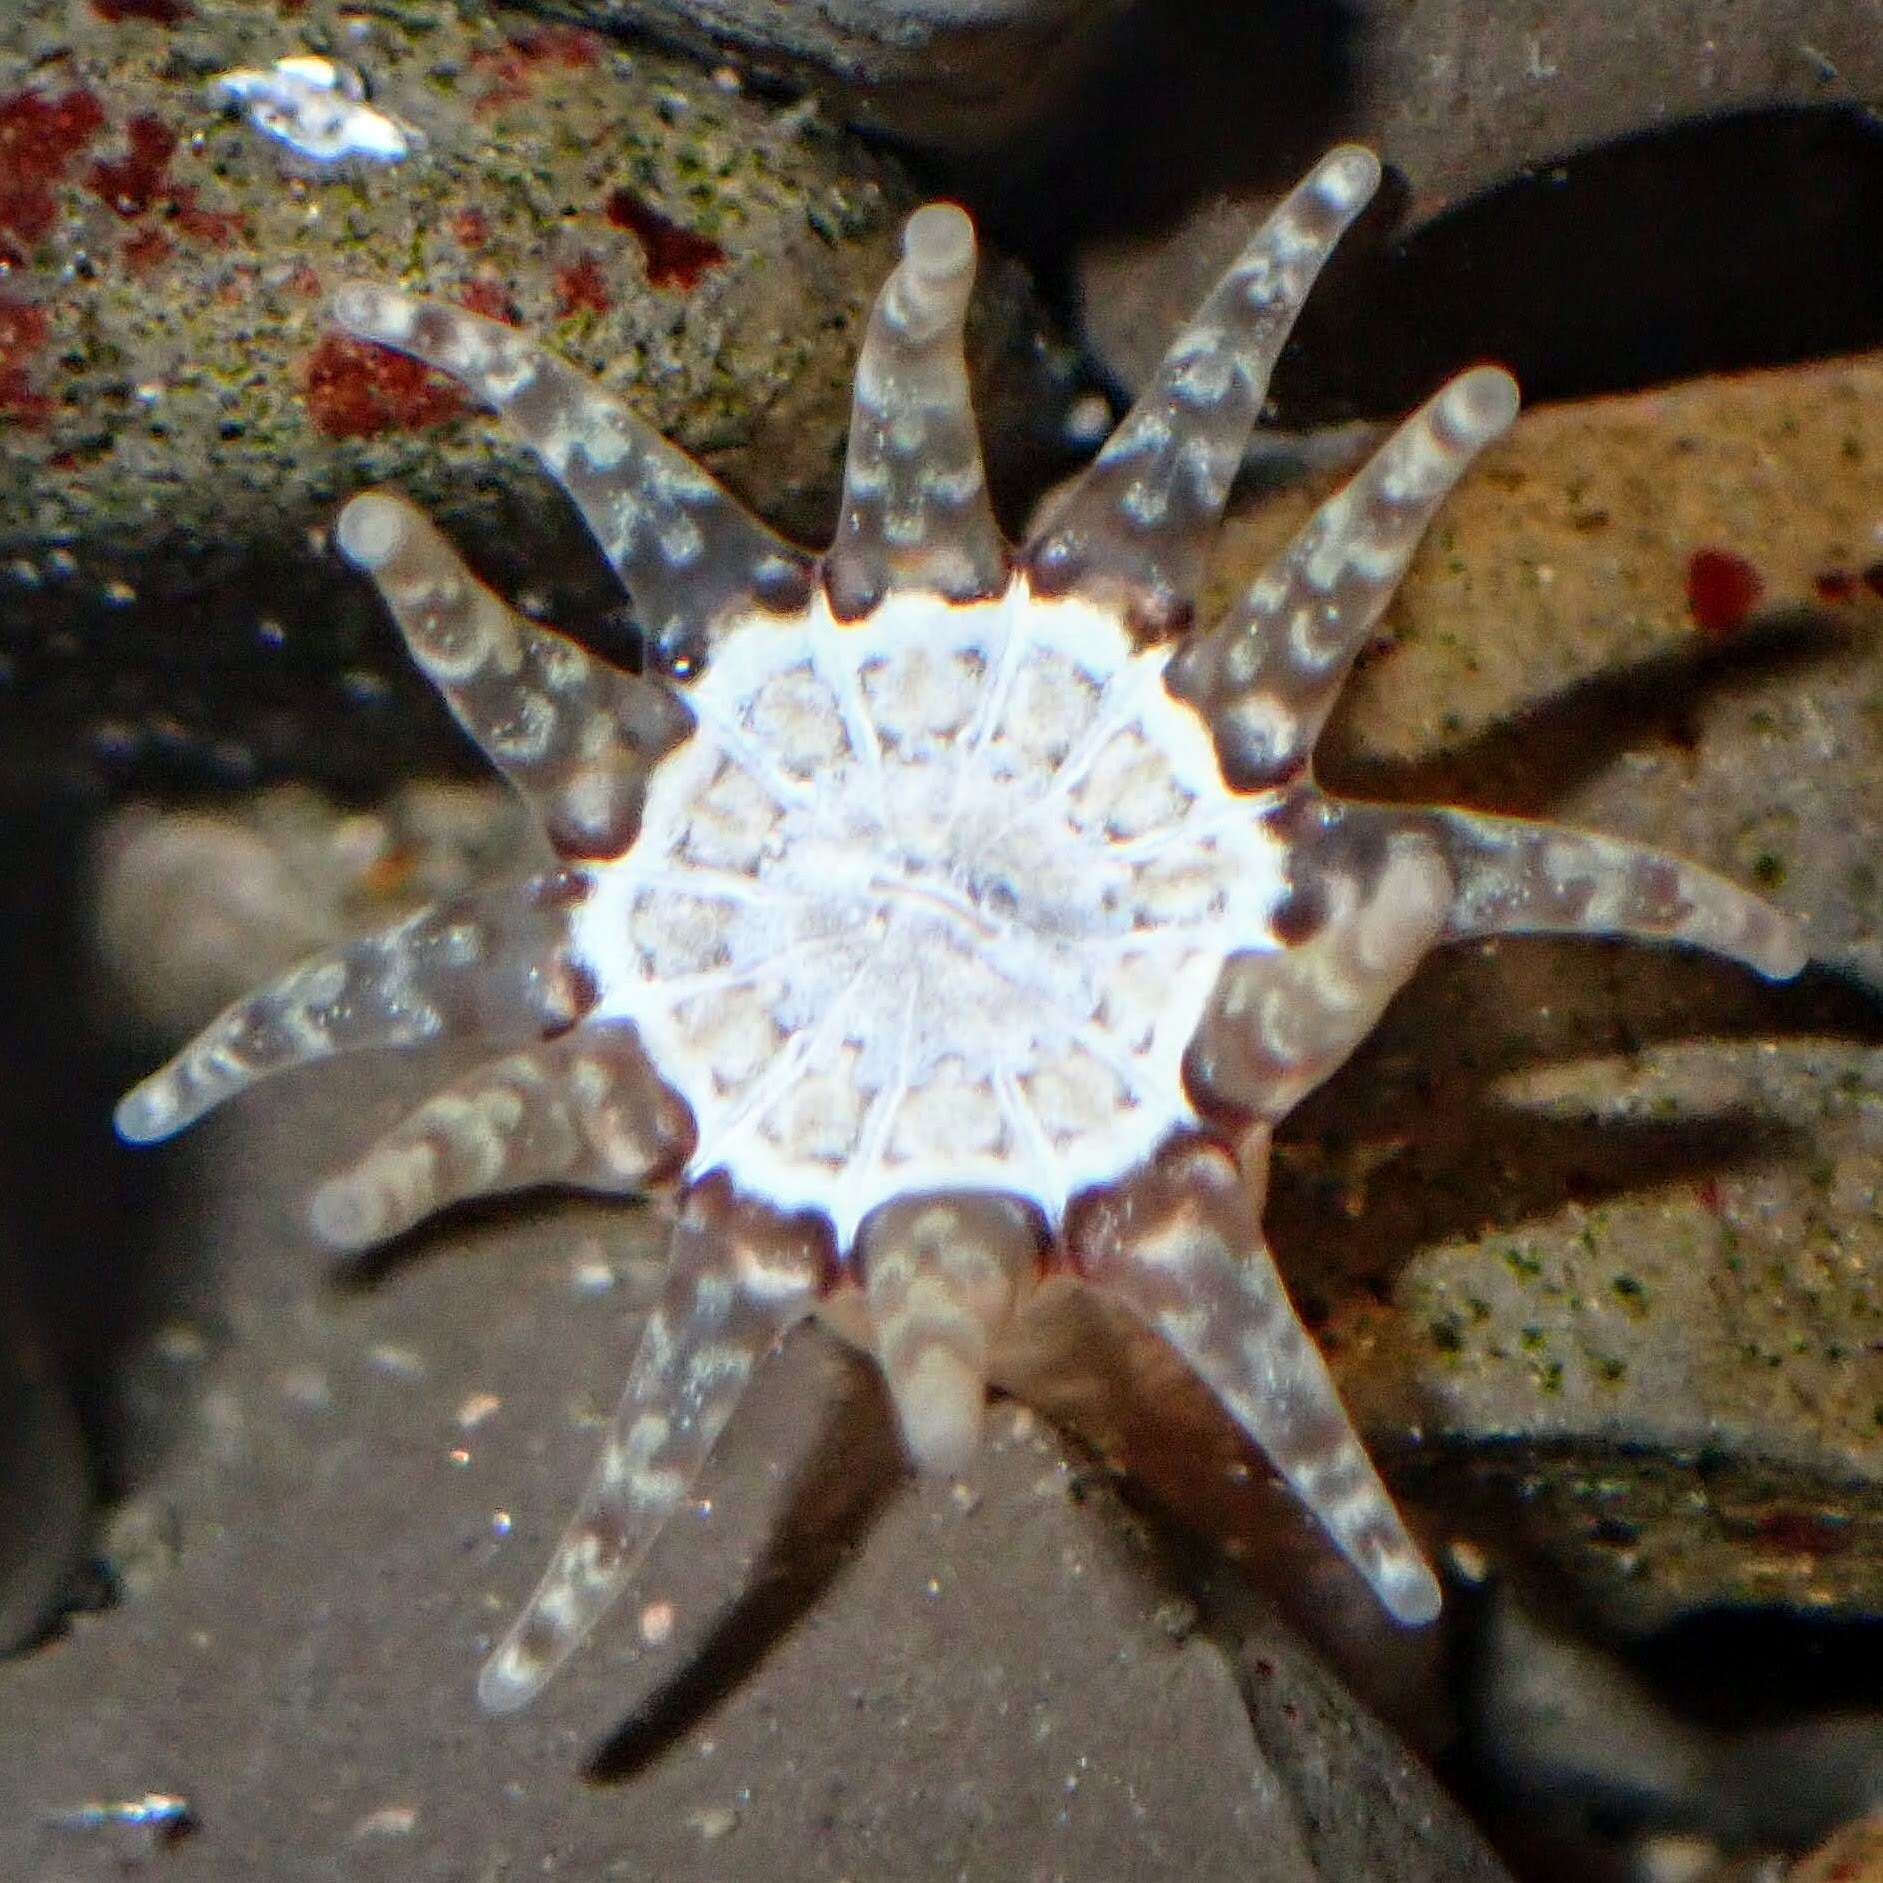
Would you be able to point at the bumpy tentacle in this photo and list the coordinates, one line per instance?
(688, 552)
(1517, 877)
(493, 964)
(576, 736)
(1138, 522)
(942, 1276)
(1180, 1244)
(740, 1275)
(1366, 901)
(587, 1110)
(1266, 679)
(915, 506)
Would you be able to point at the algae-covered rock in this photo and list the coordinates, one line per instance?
(1629, 1204)
(181, 418)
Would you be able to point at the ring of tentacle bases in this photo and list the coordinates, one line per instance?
(944, 926)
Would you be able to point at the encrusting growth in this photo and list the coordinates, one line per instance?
(931, 920)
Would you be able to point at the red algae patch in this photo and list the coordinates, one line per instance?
(23, 330)
(581, 284)
(356, 389)
(39, 137)
(157, 12)
(676, 257)
(1722, 590)
(514, 64)
(491, 299)
(131, 183)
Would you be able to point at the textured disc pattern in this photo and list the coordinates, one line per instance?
(931, 900)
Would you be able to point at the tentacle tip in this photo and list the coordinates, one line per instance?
(371, 311)
(371, 529)
(343, 1218)
(508, 1681)
(1411, 1593)
(1482, 404)
(1348, 175)
(145, 1114)
(1781, 954)
(940, 1403)
(939, 239)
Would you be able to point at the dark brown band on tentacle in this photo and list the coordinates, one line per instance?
(1367, 897)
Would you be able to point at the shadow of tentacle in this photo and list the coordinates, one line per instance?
(834, 1499)
(1528, 763)
(1407, 1147)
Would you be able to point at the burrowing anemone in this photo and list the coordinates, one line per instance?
(943, 926)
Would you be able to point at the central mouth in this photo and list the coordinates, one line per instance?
(930, 896)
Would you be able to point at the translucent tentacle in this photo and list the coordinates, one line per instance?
(1180, 1244)
(1139, 520)
(688, 552)
(494, 963)
(1517, 877)
(740, 1275)
(1266, 679)
(942, 1275)
(915, 506)
(587, 1110)
(1365, 903)
(576, 736)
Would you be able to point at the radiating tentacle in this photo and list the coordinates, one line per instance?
(915, 505)
(1267, 677)
(942, 1276)
(587, 1110)
(494, 964)
(740, 1275)
(576, 736)
(1518, 877)
(688, 552)
(1138, 521)
(1180, 1244)
(1366, 900)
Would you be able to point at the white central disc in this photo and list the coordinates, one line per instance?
(930, 901)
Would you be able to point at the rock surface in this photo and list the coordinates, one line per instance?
(832, 1672)
(1636, 1197)
(180, 419)
(950, 74)
(1662, 240)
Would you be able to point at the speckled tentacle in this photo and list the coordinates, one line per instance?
(942, 1275)
(688, 552)
(915, 507)
(1180, 1244)
(1266, 679)
(587, 1110)
(1366, 900)
(493, 964)
(1517, 877)
(1136, 525)
(740, 1275)
(576, 736)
